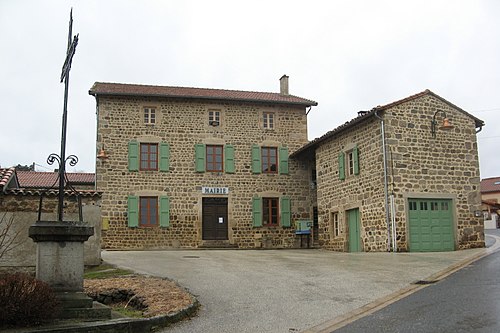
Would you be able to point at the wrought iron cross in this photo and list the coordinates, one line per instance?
(61, 159)
(70, 52)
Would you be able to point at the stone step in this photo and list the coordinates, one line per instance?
(74, 300)
(98, 311)
(217, 245)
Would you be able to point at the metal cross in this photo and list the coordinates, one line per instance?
(72, 42)
(71, 50)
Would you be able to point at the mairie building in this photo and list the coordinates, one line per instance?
(192, 168)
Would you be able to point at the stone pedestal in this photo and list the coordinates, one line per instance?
(59, 262)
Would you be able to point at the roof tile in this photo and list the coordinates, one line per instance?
(34, 179)
(490, 185)
(122, 89)
(5, 176)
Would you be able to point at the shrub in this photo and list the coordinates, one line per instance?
(26, 301)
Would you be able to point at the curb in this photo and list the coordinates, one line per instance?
(349, 317)
(127, 325)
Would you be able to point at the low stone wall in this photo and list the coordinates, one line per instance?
(23, 209)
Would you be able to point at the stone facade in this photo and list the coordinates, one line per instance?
(23, 207)
(183, 123)
(419, 167)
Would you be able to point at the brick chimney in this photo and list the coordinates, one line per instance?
(284, 85)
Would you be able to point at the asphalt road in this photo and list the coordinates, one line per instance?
(282, 291)
(466, 301)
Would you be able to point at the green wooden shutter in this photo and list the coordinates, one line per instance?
(341, 166)
(355, 157)
(200, 155)
(286, 212)
(133, 156)
(133, 211)
(283, 155)
(257, 211)
(164, 156)
(229, 159)
(256, 159)
(164, 212)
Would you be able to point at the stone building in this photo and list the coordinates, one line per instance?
(189, 167)
(404, 176)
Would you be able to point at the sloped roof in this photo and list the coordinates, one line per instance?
(490, 185)
(121, 89)
(35, 179)
(6, 176)
(369, 114)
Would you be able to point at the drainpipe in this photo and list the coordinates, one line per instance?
(386, 195)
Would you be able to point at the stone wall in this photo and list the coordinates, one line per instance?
(419, 166)
(364, 191)
(24, 210)
(182, 124)
(447, 165)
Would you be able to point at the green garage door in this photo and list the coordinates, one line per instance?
(431, 225)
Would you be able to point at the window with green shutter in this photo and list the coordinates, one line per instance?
(164, 212)
(270, 211)
(283, 163)
(133, 211)
(164, 157)
(286, 212)
(341, 166)
(148, 156)
(133, 156)
(257, 211)
(200, 157)
(256, 159)
(229, 159)
(148, 211)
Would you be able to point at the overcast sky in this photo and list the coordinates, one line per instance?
(346, 55)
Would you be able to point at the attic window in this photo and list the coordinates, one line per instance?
(214, 117)
(149, 115)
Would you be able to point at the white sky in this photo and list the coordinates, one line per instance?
(346, 55)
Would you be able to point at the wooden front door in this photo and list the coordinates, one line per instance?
(353, 230)
(214, 224)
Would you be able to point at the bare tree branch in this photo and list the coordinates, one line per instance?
(9, 238)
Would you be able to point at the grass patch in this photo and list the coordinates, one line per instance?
(129, 311)
(104, 271)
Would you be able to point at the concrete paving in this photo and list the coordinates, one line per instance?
(286, 290)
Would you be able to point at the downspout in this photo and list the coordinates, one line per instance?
(386, 195)
(96, 138)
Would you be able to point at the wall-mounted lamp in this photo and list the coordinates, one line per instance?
(102, 156)
(445, 126)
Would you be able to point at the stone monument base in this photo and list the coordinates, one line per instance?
(60, 264)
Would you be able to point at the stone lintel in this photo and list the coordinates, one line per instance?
(57, 231)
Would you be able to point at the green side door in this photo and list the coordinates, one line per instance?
(430, 225)
(353, 230)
